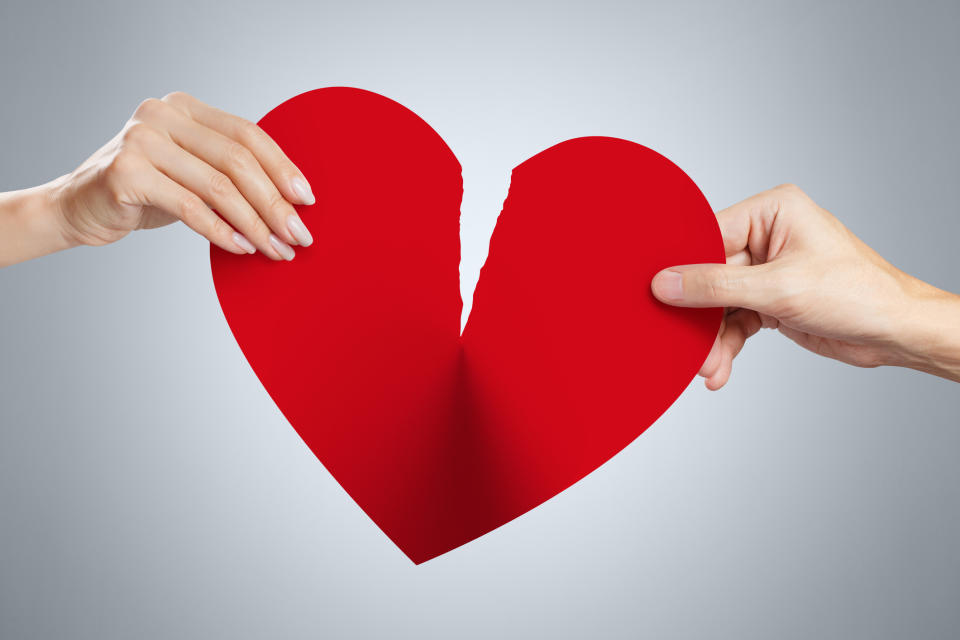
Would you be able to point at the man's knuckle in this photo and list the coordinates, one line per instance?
(716, 283)
(714, 290)
(790, 194)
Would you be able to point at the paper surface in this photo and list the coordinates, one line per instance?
(566, 356)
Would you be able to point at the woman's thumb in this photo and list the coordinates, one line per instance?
(712, 285)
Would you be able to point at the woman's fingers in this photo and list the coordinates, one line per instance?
(163, 193)
(236, 161)
(284, 174)
(218, 191)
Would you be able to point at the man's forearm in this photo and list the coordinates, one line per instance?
(930, 337)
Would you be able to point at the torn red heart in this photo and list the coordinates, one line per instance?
(565, 359)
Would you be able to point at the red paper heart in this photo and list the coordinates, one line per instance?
(566, 357)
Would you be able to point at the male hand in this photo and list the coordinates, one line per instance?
(793, 266)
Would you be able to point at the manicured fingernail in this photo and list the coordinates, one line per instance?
(285, 250)
(302, 189)
(669, 285)
(299, 231)
(243, 243)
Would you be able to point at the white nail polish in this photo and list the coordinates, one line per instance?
(240, 240)
(286, 251)
(299, 231)
(302, 189)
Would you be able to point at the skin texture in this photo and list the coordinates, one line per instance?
(792, 266)
(175, 159)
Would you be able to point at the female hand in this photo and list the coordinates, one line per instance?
(175, 159)
(794, 267)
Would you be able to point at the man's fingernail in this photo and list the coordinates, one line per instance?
(302, 189)
(241, 241)
(669, 285)
(299, 231)
(285, 250)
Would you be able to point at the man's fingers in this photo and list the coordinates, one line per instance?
(740, 259)
(747, 225)
(712, 363)
(713, 285)
(738, 220)
(738, 327)
(285, 175)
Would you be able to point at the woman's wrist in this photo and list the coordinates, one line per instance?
(32, 224)
(929, 335)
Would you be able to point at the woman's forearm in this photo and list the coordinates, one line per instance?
(31, 225)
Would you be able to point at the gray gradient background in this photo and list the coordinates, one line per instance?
(149, 488)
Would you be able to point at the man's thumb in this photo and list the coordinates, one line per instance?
(711, 285)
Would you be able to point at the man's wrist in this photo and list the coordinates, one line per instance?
(929, 336)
